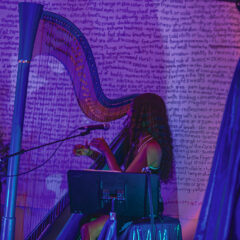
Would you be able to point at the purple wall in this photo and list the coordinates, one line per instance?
(185, 51)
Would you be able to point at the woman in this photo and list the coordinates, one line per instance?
(150, 145)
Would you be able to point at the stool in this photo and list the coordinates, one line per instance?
(166, 228)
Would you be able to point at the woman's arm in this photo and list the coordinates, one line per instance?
(81, 150)
(150, 155)
(102, 146)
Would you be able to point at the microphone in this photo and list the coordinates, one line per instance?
(104, 126)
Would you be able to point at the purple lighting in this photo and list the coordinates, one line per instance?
(185, 52)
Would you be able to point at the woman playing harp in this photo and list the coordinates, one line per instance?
(150, 145)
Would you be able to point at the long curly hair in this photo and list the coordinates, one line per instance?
(149, 116)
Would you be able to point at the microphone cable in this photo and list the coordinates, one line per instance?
(43, 163)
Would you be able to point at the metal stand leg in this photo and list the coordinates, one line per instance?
(109, 231)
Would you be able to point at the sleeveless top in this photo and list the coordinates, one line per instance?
(146, 140)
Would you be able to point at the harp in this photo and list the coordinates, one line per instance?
(71, 48)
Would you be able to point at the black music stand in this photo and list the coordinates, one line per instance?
(114, 193)
(92, 191)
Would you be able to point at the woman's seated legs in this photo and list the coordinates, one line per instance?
(91, 230)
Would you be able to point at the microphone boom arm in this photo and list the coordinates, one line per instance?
(44, 145)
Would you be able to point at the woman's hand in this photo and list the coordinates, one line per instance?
(100, 144)
(82, 150)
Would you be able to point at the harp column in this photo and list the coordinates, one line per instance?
(29, 16)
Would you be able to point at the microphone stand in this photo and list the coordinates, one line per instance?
(44, 145)
(3, 160)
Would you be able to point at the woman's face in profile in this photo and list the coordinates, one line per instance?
(129, 112)
(129, 115)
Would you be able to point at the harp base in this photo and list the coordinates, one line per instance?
(8, 223)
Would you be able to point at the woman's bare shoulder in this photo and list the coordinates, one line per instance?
(152, 145)
(154, 154)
